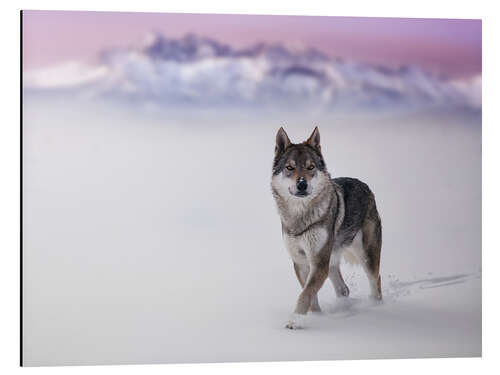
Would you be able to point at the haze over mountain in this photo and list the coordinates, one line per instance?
(201, 71)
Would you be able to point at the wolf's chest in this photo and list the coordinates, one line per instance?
(304, 247)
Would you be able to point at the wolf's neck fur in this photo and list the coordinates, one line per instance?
(299, 214)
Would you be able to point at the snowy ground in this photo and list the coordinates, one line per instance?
(153, 238)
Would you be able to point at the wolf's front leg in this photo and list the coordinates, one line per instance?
(317, 276)
(302, 271)
(339, 285)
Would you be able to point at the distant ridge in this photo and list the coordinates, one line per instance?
(199, 70)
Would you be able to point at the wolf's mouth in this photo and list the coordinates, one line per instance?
(300, 194)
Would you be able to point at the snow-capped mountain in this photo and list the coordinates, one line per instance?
(203, 71)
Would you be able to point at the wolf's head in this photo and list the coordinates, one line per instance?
(299, 170)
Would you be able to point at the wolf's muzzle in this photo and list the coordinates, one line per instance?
(301, 185)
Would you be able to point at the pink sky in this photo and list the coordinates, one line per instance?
(448, 46)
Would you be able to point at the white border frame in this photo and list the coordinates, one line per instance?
(10, 188)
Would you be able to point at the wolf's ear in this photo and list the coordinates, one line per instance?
(313, 140)
(282, 141)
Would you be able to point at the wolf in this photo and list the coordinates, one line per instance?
(322, 220)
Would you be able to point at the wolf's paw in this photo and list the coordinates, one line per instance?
(343, 291)
(296, 322)
(293, 325)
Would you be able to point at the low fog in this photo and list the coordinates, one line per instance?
(152, 236)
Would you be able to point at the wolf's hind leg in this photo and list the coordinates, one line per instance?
(372, 244)
(302, 271)
(374, 281)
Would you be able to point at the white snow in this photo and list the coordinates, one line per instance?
(154, 238)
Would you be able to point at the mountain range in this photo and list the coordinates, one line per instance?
(201, 71)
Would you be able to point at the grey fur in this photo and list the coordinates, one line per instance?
(322, 221)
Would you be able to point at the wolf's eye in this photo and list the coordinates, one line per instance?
(311, 167)
(290, 168)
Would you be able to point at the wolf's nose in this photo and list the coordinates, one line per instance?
(301, 184)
